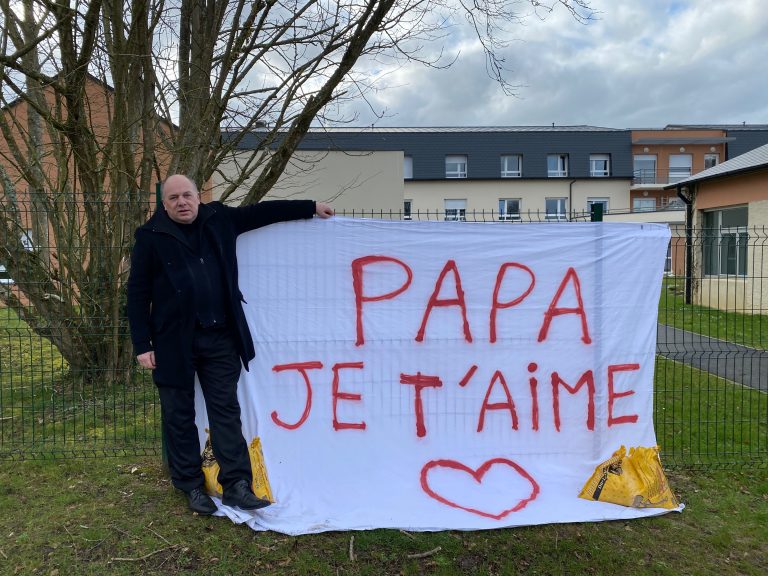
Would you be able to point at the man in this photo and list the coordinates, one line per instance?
(185, 313)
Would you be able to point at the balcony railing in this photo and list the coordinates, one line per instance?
(670, 176)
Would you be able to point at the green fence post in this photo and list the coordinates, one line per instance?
(158, 195)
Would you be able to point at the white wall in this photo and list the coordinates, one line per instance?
(347, 180)
(484, 195)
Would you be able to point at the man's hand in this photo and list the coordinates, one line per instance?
(323, 210)
(147, 360)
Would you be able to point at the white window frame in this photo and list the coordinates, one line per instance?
(512, 166)
(504, 209)
(637, 204)
(708, 160)
(680, 167)
(599, 165)
(603, 201)
(407, 167)
(455, 209)
(562, 209)
(562, 166)
(4, 279)
(27, 241)
(460, 169)
(645, 175)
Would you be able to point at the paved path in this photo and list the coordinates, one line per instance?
(737, 363)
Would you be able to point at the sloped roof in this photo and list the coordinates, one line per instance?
(756, 159)
(460, 129)
(686, 141)
(743, 126)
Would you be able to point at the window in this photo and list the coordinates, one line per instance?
(725, 242)
(455, 210)
(557, 165)
(679, 167)
(407, 167)
(455, 166)
(407, 209)
(645, 169)
(511, 166)
(26, 240)
(4, 278)
(592, 201)
(509, 209)
(555, 208)
(711, 160)
(29, 244)
(599, 165)
(643, 204)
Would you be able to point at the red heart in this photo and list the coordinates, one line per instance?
(478, 476)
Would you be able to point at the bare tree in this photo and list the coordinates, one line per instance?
(101, 98)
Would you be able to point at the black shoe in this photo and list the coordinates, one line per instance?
(240, 495)
(200, 502)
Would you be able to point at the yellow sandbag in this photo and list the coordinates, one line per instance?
(636, 480)
(260, 483)
(210, 469)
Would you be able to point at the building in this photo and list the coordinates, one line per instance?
(662, 157)
(513, 173)
(507, 173)
(728, 213)
(25, 222)
(98, 103)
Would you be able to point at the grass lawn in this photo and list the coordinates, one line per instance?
(120, 516)
(703, 420)
(43, 409)
(746, 329)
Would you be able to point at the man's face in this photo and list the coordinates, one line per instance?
(180, 199)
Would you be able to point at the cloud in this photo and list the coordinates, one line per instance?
(641, 64)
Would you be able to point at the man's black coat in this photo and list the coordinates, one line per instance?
(160, 286)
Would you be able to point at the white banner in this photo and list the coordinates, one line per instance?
(442, 375)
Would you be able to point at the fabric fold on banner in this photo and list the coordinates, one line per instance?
(444, 375)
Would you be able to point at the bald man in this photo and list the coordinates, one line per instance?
(186, 318)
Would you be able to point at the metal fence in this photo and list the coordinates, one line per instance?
(711, 394)
(711, 387)
(463, 215)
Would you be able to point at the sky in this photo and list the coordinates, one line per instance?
(639, 64)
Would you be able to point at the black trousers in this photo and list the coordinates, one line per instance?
(218, 369)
